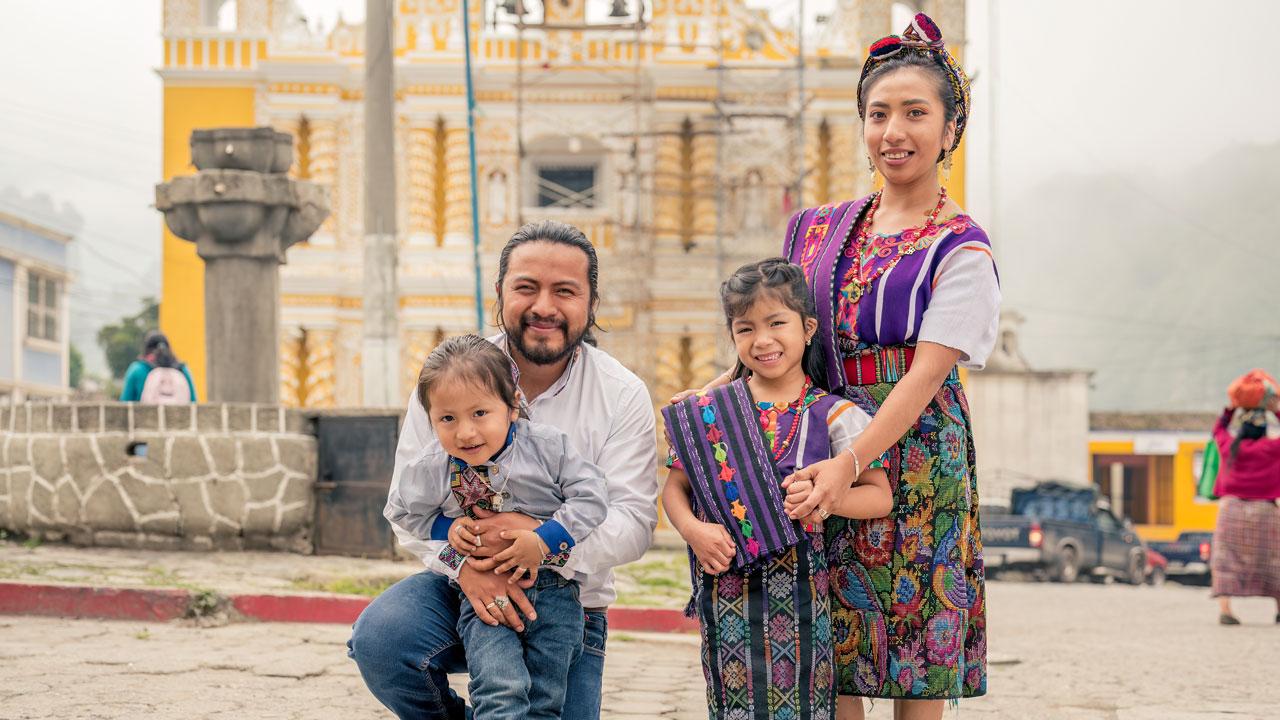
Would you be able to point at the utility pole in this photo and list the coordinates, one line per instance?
(381, 347)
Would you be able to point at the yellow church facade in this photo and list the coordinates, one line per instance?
(679, 135)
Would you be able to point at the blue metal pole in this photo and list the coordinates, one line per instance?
(471, 141)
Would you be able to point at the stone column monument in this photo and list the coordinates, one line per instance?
(242, 212)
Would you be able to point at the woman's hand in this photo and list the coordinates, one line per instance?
(711, 544)
(682, 395)
(523, 557)
(819, 485)
(723, 378)
(464, 536)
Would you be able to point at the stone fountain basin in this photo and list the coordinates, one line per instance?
(260, 149)
(234, 206)
(230, 205)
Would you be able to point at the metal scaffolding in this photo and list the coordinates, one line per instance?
(758, 102)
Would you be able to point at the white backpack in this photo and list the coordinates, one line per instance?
(165, 386)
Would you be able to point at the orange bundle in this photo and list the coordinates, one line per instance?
(1251, 390)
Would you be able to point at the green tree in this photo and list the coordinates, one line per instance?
(76, 369)
(122, 341)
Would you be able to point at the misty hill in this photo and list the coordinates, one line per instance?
(1165, 286)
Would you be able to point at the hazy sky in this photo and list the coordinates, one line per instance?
(1136, 91)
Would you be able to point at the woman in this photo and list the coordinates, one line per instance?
(901, 302)
(1246, 543)
(157, 376)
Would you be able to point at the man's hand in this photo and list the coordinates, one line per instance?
(523, 557)
(464, 536)
(494, 599)
(711, 544)
(491, 524)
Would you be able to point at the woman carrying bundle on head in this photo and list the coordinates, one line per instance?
(1246, 543)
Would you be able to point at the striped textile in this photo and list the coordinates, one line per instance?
(734, 481)
(1246, 549)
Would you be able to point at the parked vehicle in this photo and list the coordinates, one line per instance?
(1157, 568)
(1188, 555)
(1062, 531)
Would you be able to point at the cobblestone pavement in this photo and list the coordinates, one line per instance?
(1084, 651)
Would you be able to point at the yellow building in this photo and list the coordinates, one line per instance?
(679, 144)
(1149, 465)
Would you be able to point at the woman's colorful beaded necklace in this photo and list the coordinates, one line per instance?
(864, 241)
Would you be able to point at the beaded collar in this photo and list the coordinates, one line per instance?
(771, 413)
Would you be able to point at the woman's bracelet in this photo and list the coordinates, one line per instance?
(857, 466)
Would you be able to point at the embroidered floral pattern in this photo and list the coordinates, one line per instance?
(924, 634)
(814, 234)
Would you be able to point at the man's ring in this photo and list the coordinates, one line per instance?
(502, 602)
(822, 513)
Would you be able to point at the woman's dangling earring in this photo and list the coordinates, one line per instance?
(946, 166)
(871, 167)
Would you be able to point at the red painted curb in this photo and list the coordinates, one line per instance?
(163, 604)
(300, 608)
(90, 602)
(650, 620)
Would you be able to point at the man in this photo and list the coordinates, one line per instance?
(406, 641)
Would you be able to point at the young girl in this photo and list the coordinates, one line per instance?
(490, 458)
(760, 579)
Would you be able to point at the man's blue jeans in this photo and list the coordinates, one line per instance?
(406, 642)
(504, 688)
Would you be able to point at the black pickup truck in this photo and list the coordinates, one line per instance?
(1188, 556)
(1062, 531)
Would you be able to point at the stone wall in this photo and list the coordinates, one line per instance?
(1028, 426)
(197, 477)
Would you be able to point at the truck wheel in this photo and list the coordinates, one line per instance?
(1067, 567)
(1137, 569)
(1157, 577)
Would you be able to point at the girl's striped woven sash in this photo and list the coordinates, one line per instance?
(735, 482)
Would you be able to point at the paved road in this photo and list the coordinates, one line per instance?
(1085, 651)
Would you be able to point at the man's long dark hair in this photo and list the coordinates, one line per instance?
(558, 233)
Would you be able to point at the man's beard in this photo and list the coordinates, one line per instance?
(541, 354)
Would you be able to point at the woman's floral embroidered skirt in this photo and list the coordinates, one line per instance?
(766, 638)
(908, 600)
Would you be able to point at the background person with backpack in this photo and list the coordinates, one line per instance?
(157, 377)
